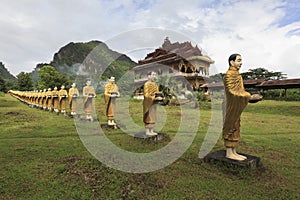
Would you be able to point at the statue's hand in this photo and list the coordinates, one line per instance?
(158, 98)
(255, 98)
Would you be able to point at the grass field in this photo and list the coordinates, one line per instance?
(42, 157)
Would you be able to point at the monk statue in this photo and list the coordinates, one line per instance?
(111, 92)
(151, 97)
(40, 99)
(31, 98)
(36, 98)
(55, 99)
(73, 94)
(49, 99)
(236, 99)
(62, 94)
(88, 95)
(44, 99)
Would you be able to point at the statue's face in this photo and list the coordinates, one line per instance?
(152, 76)
(112, 80)
(237, 63)
(88, 83)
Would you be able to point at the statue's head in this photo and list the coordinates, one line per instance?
(235, 60)
(88, 82)
(73, 85)
(152, 76)
(55, 88)
(49, 89)
(62, 87)
(111, 79)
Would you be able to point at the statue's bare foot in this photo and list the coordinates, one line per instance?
(151, 134)
(231, 154)
(235, 157)
(239, 155)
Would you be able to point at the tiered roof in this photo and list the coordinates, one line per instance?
(173, 51)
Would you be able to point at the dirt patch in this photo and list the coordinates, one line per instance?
(12, 113)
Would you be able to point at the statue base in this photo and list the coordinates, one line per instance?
(106, 126)
(219, 157)
(157, 137)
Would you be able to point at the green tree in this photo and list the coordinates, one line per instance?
(2, 85)
(216, 77)
(24, 82)
(50, 78)
(259, 73)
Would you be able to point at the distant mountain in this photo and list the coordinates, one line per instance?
(7, 80)
(92, 59)
(5, 74)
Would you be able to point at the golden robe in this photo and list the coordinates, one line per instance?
(55, 99)
(149, 106)
(73, 101)
(40, 99)
(88, 102)
(236, 99)
(110, 102)
(36, 98)
(49, 99)
(62, 98)
(31, 98)
(44, 99)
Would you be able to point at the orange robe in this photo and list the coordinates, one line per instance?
(62, 98)
(109, 101)
(55, 99)
(149, 106)
(88, 101)
(73, 100)
(236, 99)
(49, 99)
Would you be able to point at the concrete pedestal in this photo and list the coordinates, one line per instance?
(159, 136)
(219, 157)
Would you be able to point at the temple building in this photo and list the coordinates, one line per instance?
(178, 60)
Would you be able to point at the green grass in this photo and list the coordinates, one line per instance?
(42, 157)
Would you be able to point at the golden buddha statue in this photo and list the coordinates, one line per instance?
(73, 94)
(62, 94)
(236, 99)
(111, 92)
(149, 104)
(55, 99)
(88, 95)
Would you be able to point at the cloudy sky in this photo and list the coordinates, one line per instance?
(265, 32)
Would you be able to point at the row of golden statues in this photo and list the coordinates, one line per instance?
(236, 99)
(56, 100)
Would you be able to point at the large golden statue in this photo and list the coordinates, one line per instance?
(111, 92)
(62, 94)
(73, 94)
(55, 99)
(88, 95)
(236, 99)
(149, 103)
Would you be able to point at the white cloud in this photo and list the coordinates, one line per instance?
(34, 30)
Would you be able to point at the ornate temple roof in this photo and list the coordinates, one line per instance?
(175, 50)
